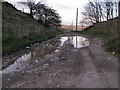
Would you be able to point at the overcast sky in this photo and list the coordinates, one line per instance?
(66, 8)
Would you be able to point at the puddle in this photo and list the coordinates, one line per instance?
(76, 41)
(40, 51)
(19, 64)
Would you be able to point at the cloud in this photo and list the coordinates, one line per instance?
(66, 8)
(63, 6)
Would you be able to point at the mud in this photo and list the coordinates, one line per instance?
(63, 63)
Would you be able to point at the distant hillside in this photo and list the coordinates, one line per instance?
(80, 28)
(18, 24)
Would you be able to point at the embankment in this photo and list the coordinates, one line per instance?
(20, 29)
(107, 30)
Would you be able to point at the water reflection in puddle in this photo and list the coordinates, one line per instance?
(38, 52)
(76, 41)
(18, 64)
(43, 50)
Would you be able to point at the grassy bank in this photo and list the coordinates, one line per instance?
(20, 29)
(13, 44)
(108, 34)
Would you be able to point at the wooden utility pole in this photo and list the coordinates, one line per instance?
(76, 19)
(23, 9)
(119, 9)
(118, 23)
(118, 28)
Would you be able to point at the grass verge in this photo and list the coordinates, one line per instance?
(111, 45)
(12, 44)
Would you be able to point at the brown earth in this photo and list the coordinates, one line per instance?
(88, 67)
(73, 27)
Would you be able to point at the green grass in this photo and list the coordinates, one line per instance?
(20, 30)
(106, 33)
(13, 44)
(18, 24)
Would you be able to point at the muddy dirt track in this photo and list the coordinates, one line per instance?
(69, 67)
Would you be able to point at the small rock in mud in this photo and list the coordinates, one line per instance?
(36, 61)
(62, 58)
(75, 50)
(39, 74)
(113, 53)
(7, 61)
(71, 77)
(22, 72)
(67, 50)
(54, 74)
(8, 79)
(60, 70)
(46, 65)
(17, 68)
(50, 74)
(56, 58)
(72, 45)
(56, 50)
(59, 86)
(32, 45)
(49, 82)
(27, 47)
(52, 60)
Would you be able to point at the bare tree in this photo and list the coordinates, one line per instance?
(111, 9)
(93, 11)
(108, 6)
(116, 8)
(98, 11)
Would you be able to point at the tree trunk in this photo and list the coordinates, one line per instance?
(31, 13)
